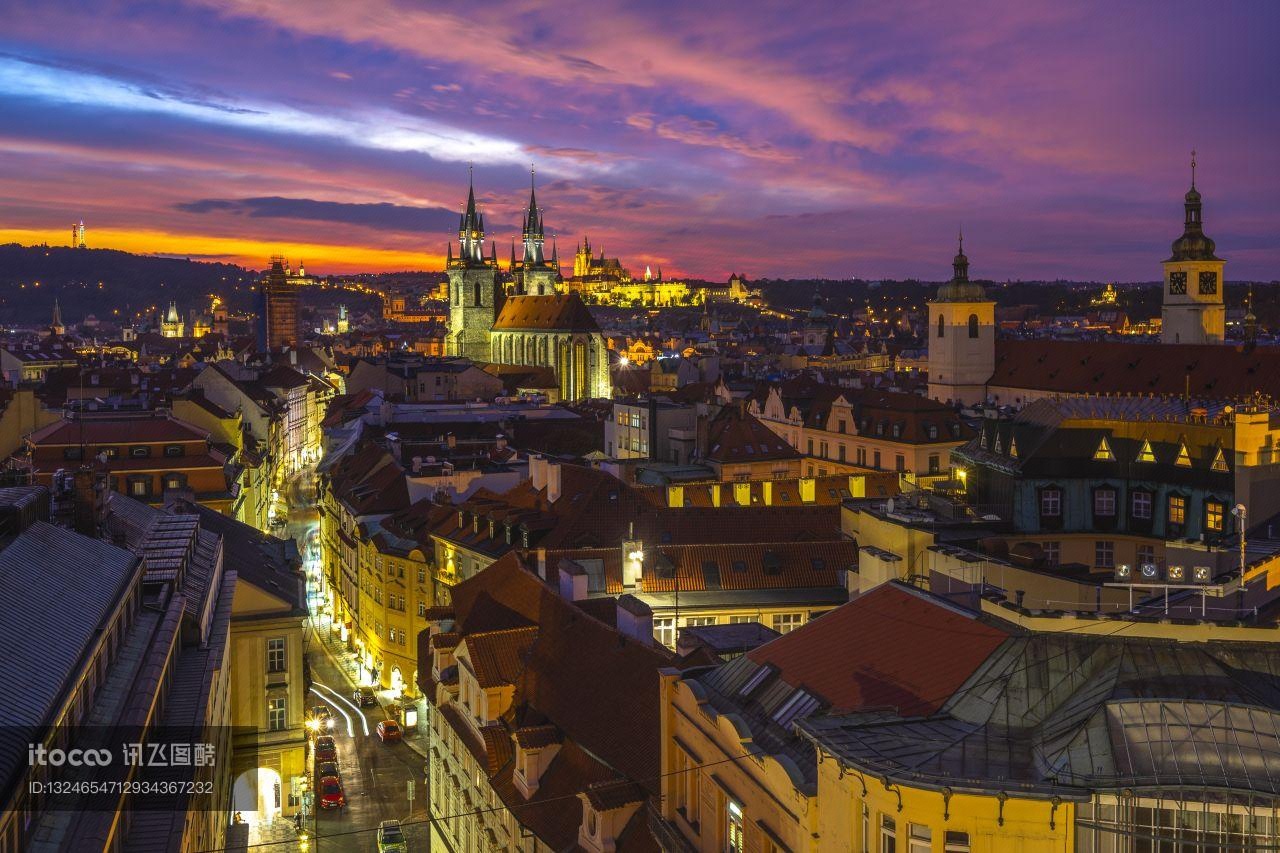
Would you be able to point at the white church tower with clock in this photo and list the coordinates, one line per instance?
(1193, 311)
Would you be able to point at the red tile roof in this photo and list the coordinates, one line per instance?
(891, 647)
(1216, 371)
(735, 436)
(497, 656)
(123, 430)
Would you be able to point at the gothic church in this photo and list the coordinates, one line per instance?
(520, 318)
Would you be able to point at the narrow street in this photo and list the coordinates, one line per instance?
(375, 775)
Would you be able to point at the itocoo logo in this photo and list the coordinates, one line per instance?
(40, 756)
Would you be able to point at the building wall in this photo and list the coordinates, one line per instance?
(960, 364)
(851, 820)
(256, 618)
(703, 784)
(1189, 316)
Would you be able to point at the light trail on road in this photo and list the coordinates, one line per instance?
(321, 690)
(364, 722)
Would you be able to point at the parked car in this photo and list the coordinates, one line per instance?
(389, 730)
(364, 697)
(391, 837)
(325, 769)
(331, 794)
(326, 750)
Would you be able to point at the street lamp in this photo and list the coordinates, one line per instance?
(1241, 515)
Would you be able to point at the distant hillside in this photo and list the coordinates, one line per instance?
(129, 283)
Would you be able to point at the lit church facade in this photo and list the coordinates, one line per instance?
(521, 319)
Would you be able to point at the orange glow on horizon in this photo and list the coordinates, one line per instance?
(320, 258)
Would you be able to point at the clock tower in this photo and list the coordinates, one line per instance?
(1193, 311)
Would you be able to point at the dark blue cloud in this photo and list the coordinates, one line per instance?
(394, 217)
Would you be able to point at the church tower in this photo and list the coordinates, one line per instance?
(472, 286)
(57, 327)
(537, 275)
(962, 337)
(1193, 311)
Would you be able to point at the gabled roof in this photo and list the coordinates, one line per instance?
(734, 436)
(557, 312)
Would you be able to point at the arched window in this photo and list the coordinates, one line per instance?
(477, 293)
(973, 325)
(942, 326)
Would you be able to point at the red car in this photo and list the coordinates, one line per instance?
(389, 731)
(331, 795)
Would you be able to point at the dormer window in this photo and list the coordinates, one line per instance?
(998, 447)
(1103, 453)
(1013, 447)
(1184, 458)
(1145, 453)
(1220, 462)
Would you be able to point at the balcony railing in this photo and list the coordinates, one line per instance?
(669, 838)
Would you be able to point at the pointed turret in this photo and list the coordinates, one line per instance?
(960, 289)
(1193, 245)
(532, 232)
(471, 228)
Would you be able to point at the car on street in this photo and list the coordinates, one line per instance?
(326, 750)
(325, 769)
(391, 837)
(331, 794)
(389, 731)
(364, 697)
(323, 716)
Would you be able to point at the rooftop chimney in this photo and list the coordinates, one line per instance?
(90, 501)
(538, 471)
(553, 482)
(573, 580)
(635, 619)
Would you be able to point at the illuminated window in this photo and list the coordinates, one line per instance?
(786, 622)
(1184, 458)
(733, 840)
(1177, 509)
(1220, 461)
(1146, 454)
(1103, 453)
(1013, 447)
(1214, 513)
(664, 631)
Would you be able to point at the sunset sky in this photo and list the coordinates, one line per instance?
(776, 139)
